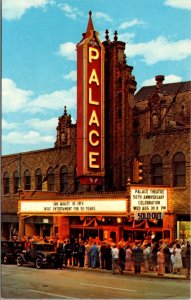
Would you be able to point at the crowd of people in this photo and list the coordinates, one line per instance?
(138, 256)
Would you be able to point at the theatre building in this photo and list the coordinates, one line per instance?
(121, 171)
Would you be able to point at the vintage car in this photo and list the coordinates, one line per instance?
(9, 250)
(39, 254)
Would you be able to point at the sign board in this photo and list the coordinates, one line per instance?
(74, 207)
(90, 107)
(149, 199)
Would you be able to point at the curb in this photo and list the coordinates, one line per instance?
(130, 273)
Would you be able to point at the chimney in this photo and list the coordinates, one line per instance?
(159, 79)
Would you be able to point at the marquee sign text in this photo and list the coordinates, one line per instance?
(149, 199)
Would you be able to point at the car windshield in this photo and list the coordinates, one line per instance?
(45, 247)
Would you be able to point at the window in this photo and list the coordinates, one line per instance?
(6, 183)
(64, 179)
(119, 83)
(119, 106)
(38, 177)
(15, 182)
(27, 180)
(50, 179)
(156, 170)
(179, 170)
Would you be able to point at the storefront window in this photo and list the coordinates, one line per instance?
(184, 230)
(6, 183)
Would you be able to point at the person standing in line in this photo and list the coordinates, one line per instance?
(60, 257)
(108, 257)
(167, 260)
(137, 258)
(128, 258)
(146, 253)
(94, 254)
(183, 254)
(160, 261)
(81, 254)
(115, 258)
(122, 257)
(177, 259)
(188, 253)
(75, 249)
(103, 255)
(68, 253)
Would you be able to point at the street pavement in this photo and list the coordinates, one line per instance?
(151, 274)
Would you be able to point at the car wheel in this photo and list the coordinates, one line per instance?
(5, 259)
(38, 263)
(19, 261)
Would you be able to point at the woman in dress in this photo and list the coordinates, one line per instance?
(160, 261)
(128, 258)
(177, 259)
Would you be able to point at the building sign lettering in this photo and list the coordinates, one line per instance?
(149, 199)
(74, 207)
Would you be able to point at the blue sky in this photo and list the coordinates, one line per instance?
(39, 38)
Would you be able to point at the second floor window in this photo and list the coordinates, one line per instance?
(50, 179)
(15, 182)
(27, 180)
(156, 170)
(6, 183)
(64, 179)
(179, 170)
(38, 177)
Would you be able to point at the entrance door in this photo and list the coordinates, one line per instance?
(90, 233)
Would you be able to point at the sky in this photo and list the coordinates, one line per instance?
(39, 40)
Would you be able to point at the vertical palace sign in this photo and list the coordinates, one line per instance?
(90, 107)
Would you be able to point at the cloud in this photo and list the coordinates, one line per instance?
(52, 101)
(8, 125)
(42, 125)
(168, 79)
(126, 37)
(70, 12)
(31, 138)
(160, 49)
(183, 4)
(13, 98)
(101, 15)
(12, 9)
(68, 50)
(71, 76)
(131, 23)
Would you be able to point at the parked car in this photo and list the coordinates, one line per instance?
(39, 254)
(9, 250)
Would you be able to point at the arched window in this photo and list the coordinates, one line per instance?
(64, 179)
(38, 179)
(27, 180)
(50, 180)
(179, 170)
(156, 170)
(119, 83)
(15, 182)
(6, 183)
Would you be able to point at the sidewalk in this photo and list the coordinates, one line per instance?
(150, 274)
